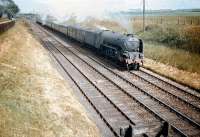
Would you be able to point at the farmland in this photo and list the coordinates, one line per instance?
(177, 21)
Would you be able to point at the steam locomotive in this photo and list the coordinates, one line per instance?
(125, 49)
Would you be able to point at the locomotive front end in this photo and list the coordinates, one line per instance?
(133, 56)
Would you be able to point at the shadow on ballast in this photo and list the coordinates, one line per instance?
(131, 132)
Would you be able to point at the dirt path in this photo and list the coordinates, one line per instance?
(34, 99)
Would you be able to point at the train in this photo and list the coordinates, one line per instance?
(126, 50)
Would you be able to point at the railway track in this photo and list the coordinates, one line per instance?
(108, 109)
(177, 86)
(188, 100)
(190, 111)
(189, 96)
(127, 92)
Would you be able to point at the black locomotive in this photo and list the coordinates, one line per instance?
(125, 49)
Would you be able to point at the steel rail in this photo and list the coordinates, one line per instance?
(156, 99)
(167, 92)
(82, 91)
(128, 94)
(172, 85)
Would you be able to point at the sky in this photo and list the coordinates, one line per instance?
(98, 7)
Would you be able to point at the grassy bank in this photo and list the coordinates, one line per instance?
(35, 101)
(177, 64)
(178, 58)
(180, 76)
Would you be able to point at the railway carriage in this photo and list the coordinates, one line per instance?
(62, 29)
(93, 38)
(76, 33)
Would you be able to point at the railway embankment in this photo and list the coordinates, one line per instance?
(34, 99)
(6, 24)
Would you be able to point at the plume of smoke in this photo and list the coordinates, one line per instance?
(81, 8)
(125, 22)
(78, 11)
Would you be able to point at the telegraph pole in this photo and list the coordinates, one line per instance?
(144, 15)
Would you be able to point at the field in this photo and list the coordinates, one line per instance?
(179, 21)
(173, 31)
(178, 58)
(173, 42)
(177, 64)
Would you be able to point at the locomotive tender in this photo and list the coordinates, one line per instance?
(125, 49)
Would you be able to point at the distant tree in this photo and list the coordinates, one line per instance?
(1, 11)
(12, 8)
(8, 7)
(9, 14)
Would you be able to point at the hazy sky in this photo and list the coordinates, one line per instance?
(97, 7)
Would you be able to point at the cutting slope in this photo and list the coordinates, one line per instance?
(34, 99)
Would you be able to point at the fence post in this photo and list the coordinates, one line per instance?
(184, 22)
(178, 21)
(158, 20)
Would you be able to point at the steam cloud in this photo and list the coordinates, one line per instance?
(62, 10)
(81, 10)
(84, 8)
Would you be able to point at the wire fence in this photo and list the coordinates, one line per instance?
(171, 20)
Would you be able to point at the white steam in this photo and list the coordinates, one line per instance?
(125, 22)
(83, 8)
(71, 11)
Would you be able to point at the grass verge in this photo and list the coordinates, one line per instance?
(177, 64)
(34, 99)
(178, 58)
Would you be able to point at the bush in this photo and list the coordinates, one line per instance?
(192, 37)
(174, 36)
(153, 33)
